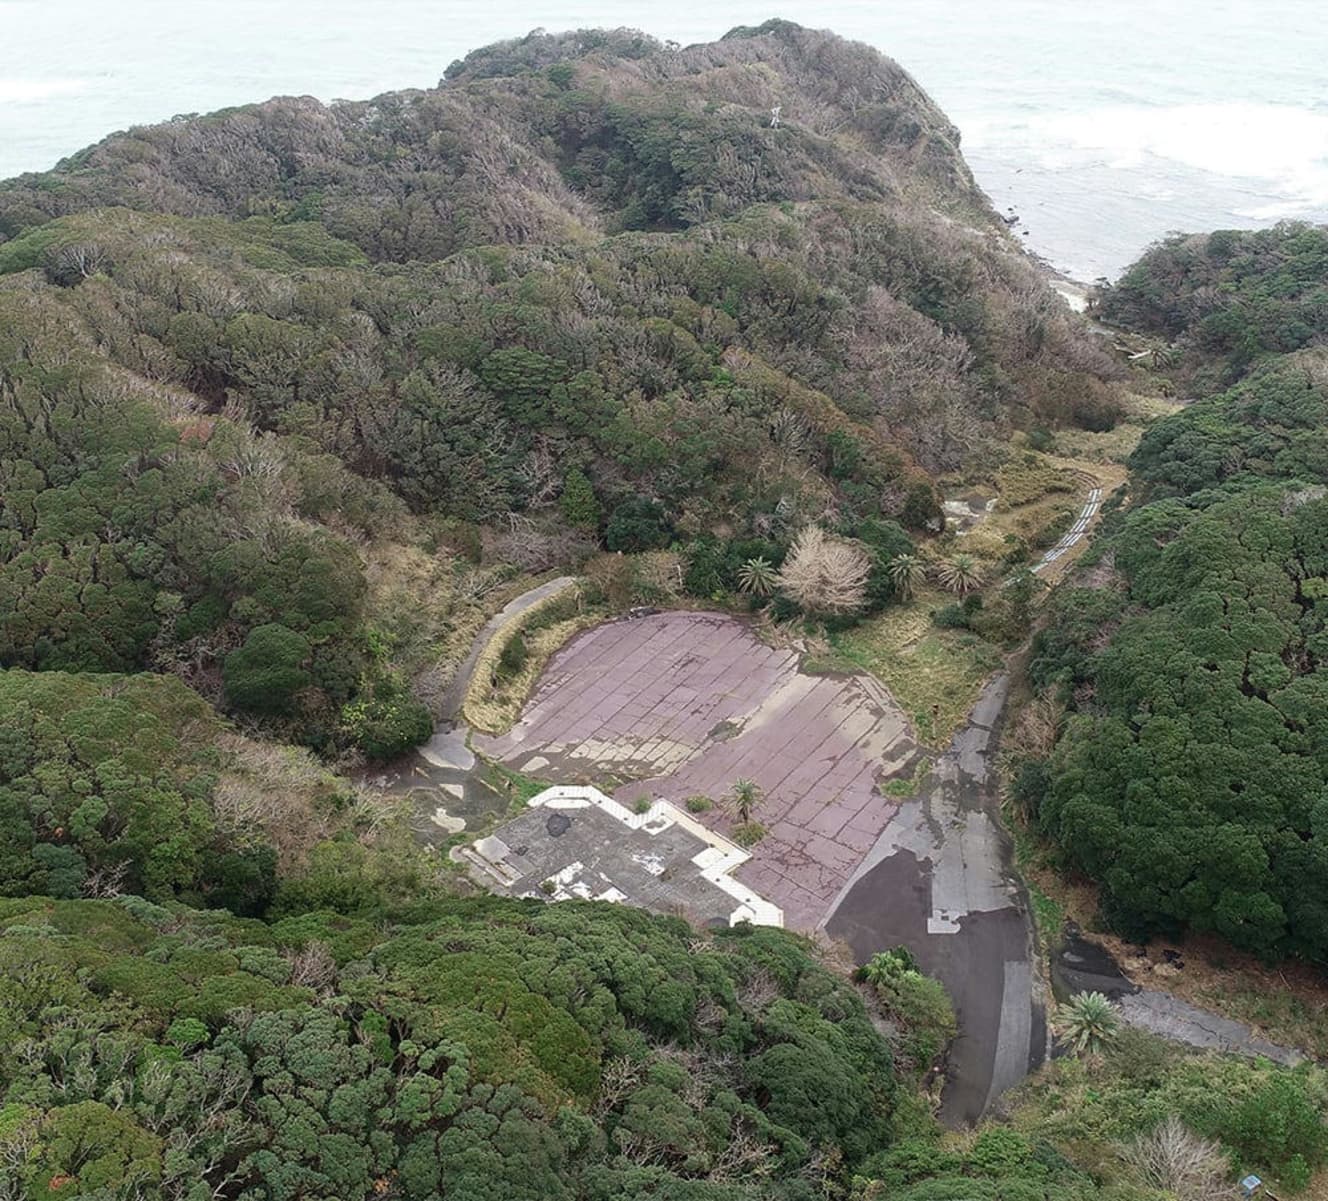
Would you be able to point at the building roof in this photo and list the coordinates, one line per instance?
(575, 842)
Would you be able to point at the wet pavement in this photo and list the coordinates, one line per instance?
(941, 881)
(674, 706)
(1081, 965)
(446, 791)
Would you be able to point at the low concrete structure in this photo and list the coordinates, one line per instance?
(1076, 532)
(575, 842)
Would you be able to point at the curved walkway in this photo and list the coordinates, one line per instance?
(1076, 532)
(439, 777)
(455, 695)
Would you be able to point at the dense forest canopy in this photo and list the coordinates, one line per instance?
(550, 138)
(513, 1051)
(619, 310)
(1228, 299)
(1190, 779)
(498, 1049)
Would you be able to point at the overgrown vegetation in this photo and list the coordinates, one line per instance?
(485, 1049)
(934, 673)
(1188, 778)
(660, 328)
(508, 667)
(1228, 300)
(1109, 1108)
(292, 397)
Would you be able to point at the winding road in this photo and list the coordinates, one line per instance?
(941, 881)
(455, 696)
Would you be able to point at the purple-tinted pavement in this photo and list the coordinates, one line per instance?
(678, 705)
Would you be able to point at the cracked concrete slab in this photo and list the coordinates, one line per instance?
(1161, 1013)
(575, 842)
(682, 705)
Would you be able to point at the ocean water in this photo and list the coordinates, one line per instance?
(1102, 125)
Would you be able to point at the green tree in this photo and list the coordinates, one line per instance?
(387, 724)
(578, 502)
(1087, 1023)
(268, 672)
(960, 573)
(88, 1147)
(906, 572)
(745, 796)
(638, 524)
(758, 576)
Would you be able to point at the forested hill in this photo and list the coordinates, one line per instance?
(293, 397)
(545, 139)
(1227, 300)
(287, 391)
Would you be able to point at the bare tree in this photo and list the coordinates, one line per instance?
(81, 260)
(825, 575)
(618, 1080)
(106, 882)
(1176, 1160)
(312, 966)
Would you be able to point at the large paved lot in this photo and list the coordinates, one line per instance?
(678, 705)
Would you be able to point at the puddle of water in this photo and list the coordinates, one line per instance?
(965, 512)
(1078, 966)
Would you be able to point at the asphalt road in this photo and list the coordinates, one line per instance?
(446, 792)
(941, 881)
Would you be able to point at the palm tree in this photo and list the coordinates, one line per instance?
(746, 796)
(961, 573)
(757, 576)
(1087, 1023)
(906, 573)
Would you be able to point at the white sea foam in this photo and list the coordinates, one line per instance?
(1280, 145)
(34, 91)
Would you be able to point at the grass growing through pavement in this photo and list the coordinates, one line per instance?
(518, 786)
(748, 834)
(905, 786)
(934, 674)
(1048, 912)
(496, 697)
